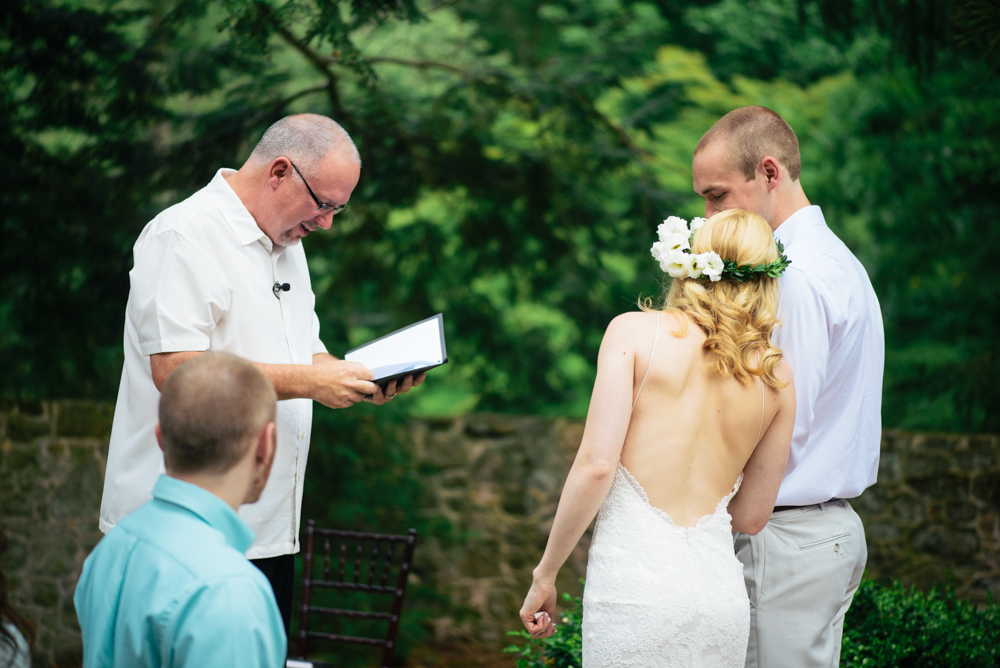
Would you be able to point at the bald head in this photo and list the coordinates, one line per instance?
(212, 409)
(305, 139)
(748, 135)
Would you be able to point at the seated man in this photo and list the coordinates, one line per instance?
(170, 585)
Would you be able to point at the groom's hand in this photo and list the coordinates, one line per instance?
(538, 610)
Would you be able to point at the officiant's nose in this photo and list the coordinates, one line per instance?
(324, 220)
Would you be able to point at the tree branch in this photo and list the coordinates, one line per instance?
(420, 64)
(319, 63)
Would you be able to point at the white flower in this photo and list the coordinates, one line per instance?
(697, 224)
(659, 250)
(672, 225)
(678, 241)
(677, 264)
(710, 264)
(695, 268)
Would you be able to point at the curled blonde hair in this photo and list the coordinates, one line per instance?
(738, 318)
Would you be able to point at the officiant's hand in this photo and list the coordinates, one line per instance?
(538, 609)
(394, 388)
(340, 384)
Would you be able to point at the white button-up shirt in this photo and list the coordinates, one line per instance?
(831, 334)
(202, 280)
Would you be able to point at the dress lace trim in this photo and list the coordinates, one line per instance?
(723, 504)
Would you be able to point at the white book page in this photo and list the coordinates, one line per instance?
(420, 343)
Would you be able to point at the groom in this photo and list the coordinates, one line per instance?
(803, 567)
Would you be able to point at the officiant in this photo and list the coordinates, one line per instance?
(224, 270)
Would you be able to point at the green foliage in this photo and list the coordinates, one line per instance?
(889, 627)
(886, 627)
(564, 649)
(518, 155)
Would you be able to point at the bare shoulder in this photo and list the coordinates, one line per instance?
(623, 332)
(783, 372)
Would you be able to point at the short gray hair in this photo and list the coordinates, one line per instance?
(304, 139)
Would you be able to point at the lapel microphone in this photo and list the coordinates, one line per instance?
(278, 287)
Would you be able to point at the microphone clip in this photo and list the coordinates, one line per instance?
(277, 288)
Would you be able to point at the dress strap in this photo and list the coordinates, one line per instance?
(761, 402)
(655, 339)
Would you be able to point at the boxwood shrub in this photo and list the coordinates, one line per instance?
(887, 627)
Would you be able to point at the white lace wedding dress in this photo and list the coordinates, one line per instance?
(658, 594)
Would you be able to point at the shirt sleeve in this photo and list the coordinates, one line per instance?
(177, 296)
(318, 347)
(232, 622)
(804, 338)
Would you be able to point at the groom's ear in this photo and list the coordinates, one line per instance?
(771, 169)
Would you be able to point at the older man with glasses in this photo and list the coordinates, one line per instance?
(224, 271)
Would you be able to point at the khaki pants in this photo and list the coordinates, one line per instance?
(801, 572)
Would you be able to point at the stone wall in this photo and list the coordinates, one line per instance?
(934, 514)
(52, 459)
(496, 479)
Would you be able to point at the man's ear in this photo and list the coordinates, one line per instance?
(267, 444)
(159, 436)
(279, 169)
(772, 170)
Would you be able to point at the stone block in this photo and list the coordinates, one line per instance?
(986, 488)
(940, 486)
(84, 419)
(881, 531)
(445, 449)
(45, 593)
(927, 465)
(80, 494)
(30, 407)
(960, 511)
(22, 429)
(488, 426)
(872, 502)
(890, 467)
(946, 542)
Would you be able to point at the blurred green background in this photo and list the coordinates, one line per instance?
(518, 155)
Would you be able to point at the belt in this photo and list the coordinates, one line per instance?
(820, 505)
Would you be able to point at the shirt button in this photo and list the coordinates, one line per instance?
(302, 435)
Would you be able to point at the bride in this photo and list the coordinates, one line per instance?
(687, 435)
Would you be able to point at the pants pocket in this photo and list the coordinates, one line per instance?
(840, 538)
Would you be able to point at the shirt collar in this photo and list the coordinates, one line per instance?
(240, 221)
(215, 512)
(804, 218)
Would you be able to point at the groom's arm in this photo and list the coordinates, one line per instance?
(752, 506)
(804, 337)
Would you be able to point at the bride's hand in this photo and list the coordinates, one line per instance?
(538, 610)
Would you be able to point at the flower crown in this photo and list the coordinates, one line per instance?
(673, 252)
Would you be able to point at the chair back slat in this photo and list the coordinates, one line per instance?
(372, 565)
(326, 558)
(387, 562)
(375, 582)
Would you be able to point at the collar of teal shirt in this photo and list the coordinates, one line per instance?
(208, 507)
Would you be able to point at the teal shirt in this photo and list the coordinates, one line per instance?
(170, 586)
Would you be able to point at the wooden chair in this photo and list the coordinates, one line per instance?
(380, 559)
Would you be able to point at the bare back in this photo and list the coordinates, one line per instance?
(691, 432)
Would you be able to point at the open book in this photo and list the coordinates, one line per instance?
(409, 350)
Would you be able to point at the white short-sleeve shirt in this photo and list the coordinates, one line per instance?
(202, 280)
(831, 334)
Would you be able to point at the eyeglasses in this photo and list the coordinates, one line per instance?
(320, 206)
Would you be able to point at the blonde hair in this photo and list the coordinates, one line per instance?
(738, 318)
